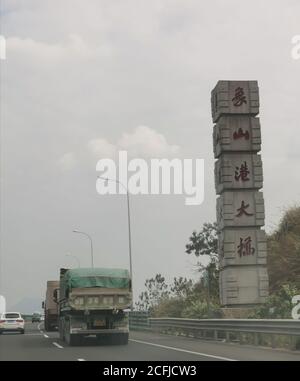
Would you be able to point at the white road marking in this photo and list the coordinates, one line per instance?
(182, 350)
(39, 326)
(57, 345)
(47, 337)
(80, 359)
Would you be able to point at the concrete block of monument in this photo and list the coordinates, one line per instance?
(235, 97)
(242, 247)
(243, 286)
(240, 209)
(238, 171)
(236, 134)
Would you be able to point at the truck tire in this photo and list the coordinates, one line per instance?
(66, 334)
(69, 338)
(76, 339)
(46, 325)
(119, 339)
(61, 331)
(123, 338)
(73, 340)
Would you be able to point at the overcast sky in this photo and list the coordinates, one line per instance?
(83, 79)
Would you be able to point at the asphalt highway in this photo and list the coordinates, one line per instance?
(37, 345)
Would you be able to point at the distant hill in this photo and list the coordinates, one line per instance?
(27, 306)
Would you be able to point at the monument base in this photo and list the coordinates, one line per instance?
(237, 312)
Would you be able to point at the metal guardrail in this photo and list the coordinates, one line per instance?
(226, 328)
(271, 326)
(237, 330)
(139, 321)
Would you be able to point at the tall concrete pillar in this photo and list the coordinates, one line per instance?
(240, 205)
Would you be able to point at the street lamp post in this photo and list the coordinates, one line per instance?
(74, 256)
(91, 242)
(128, 219)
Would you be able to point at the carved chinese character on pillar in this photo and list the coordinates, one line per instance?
(241, 134)
(243, 210)
(239, 97)
(242, 172)
(245, 248)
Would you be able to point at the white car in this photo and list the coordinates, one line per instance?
(12, 322)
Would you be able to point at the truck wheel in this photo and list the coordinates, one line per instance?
(119, 339)
(61, 331)
(123, 338)
(73, 340)
(77, 339)
(102, 339)
(67, 335)
(70, 339)
(46, 325)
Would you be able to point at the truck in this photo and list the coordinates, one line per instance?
(94, 302)
(50, 306)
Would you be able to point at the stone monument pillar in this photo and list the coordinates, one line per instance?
(240, 205)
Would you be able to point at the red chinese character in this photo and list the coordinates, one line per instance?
(241, 134)
(242, 172)
(239, 97)
(242, 210)
(245, 248)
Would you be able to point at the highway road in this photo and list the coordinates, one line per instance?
(36, 344)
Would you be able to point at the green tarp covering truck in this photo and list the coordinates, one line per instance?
(93, 302)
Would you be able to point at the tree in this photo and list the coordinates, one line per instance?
(156, 291)
(183, 298)
(182, 287)
(284, 252)
(205, 243)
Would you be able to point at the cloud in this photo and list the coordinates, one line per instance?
(67, 161)
(142, 142)
(102, 148)
(73, 47)
(145, 141)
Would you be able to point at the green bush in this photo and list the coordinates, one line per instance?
(198, 309)
(278, 305)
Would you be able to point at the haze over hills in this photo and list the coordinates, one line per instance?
(26, 306)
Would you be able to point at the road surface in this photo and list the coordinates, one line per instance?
(36, 344)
